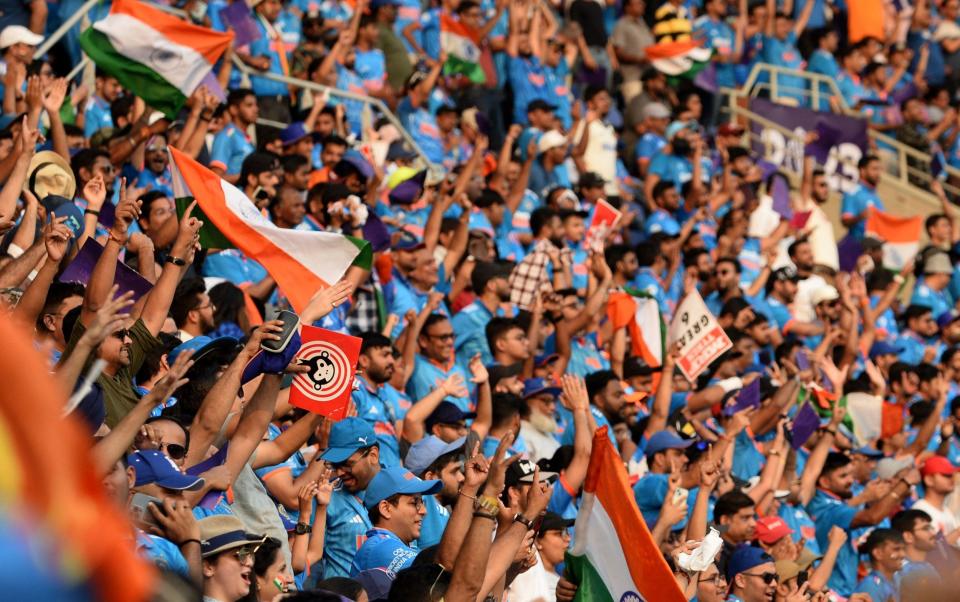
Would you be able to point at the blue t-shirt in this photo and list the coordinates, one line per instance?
(649, 145)
(382, 550)
(375, 408)
(422, 126)
(348, 80)
(434, 522)
(529, 82)
(784, 53)
(828, 510)
(234, 266)
(558, 92)
(804, 529)
(163, 553)
(347, 526)
(662, 221)
(428, 374)
(271, 48)
(878, 586)
(157, 182)
(720, 38)
(470, 324)
(937, 301)
(96, 116)
(430, 32)
(371, 66)
(856, 202)
(824, 63)
(230, 148)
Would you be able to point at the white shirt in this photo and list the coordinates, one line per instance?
(539, 445)
(803, 302)
(533, 585)
(944, 520)
(601, 153)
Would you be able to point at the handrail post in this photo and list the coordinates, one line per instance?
(61, 31)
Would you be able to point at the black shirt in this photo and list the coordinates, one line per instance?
(589, 15)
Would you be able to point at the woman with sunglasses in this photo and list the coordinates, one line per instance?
(228, 554)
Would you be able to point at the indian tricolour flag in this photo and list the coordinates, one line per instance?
(615, 558)
(301, 262)
(462, 44)
(900, 236)
(640, 314)
(159, 57)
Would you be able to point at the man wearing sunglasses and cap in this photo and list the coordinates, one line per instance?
(228, 555)
(394, 500)
(752, 575)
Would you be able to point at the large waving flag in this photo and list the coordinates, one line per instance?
(462, 45)
(676, 52)
(901, 236)
(301, 262)
(159, 56)
(615, 558)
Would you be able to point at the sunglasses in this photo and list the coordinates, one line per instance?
(768, 578)
(121, 334)
(174, 450)
(443, 337)
(245, 552)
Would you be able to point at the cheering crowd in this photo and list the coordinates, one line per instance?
(493, 344)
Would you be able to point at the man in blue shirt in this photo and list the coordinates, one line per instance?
(931, 291)
(431, 458)
(667, 199)
(490, 285)
(270, 53)
(394, 500)
(231, 145)
(751, 575)
(829, 508)
(855, 205)
(885, 549)
(780, 48)
(96, 115)
(436, 361)
(824, 62)
(721, 38)
(354, 454)
(156, 172)
(377, 366)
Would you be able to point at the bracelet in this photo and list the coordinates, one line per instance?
(117, 239)
(831, 431)
(204, 117)
(175, 261)
(467, 495)
(186, 541)
(91, 212)
(479, 514)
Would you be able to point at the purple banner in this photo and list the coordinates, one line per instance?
(81, 268)
(841, 140)
(239, 18)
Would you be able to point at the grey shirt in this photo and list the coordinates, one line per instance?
(632, 36)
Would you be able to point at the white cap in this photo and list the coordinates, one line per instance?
(551, 139)
(824, 293)
(18, 34)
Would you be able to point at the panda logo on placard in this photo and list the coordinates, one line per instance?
(330, 373)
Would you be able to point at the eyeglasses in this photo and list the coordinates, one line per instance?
(717, 580)
(245, 552)
(449, 336)
(347, 465)
(211, 305)
(768, 578)
(174, 450)
(121, 334)
(417, 501)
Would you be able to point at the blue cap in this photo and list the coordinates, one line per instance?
(153, 466)
(397, 479)
(406, 241)
(353, 161)
(293, 133)
(425, 452)
(346, 437)
(73, 214)
(868, 452)
(947, 318)
(745, 558)
(201, 346)
(884, 348)
(665, 440)
(376, 583)
(536, 386)
(447, 412)
(678, 126)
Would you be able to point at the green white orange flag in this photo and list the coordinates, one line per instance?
(301, 262)
(640, 314)
(159, 56)
(615, 558)
(901, 236)
(462, 45)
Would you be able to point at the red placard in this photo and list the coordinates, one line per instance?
(605, 219)
(332, 358)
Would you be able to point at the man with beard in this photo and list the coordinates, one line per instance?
(377, 366)
(675, 163)
(396, 507)
(920, 537)
(623, 263)
(353, 453)
(781, 292)
(156, 172)
(726, 282)
(857, 203)
(937, 474)
(433, 459)
(192, 310)
(829, 508)
(932, 290)
(492, 288)
(232, 144)
(918, 340)
(538, 422)
(814, 194)
(667, 201)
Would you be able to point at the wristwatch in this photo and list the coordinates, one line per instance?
(523, 520)
(302, 529)
(175, 260)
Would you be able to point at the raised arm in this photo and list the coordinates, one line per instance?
(52, 101)
(56, 237)
(661, 402)
(481, 379)
(575, 392)
(23, 151)
(253, 423)
(811, 470)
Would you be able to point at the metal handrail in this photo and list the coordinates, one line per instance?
(900, 169)
(303, 84)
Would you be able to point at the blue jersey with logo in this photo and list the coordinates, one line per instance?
(828, 510)
(371, 66)
(434, 522)
(422, 126)
(470, 327)
(272, 46)
(427, 375)
(529, 82)
(784, 53)
(375, 408)
(856, 202)
(230, 147)
(878, 587)
(96, 116)
(347, 526)
(720, 38)
(383, 550)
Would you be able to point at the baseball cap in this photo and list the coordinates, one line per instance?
(656, 110)
(425, 452)
(771, 529)
(551, 139)
(499, 372)
(938, 465)
(784, 274)
(870, 243)
(591, 179)
(224, 532)
(522, 470)
(202, 346)
(536, 386)
(353, 161)
(398, 151)
(887, 468)
(405, 240)
(678, 126)
(447, 412)
(376, 583)
(545, 358)
(884, 348)
(539, 104)
(346, 437)
(947, 318)
(293, 133)
(18, 34)
(397, 479)
(153, 466)
(938, 263)
(554, 522)
(664, 440)
(823, 294)
(868, 452)
(745, 558)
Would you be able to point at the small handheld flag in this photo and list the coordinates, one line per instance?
(332, 359)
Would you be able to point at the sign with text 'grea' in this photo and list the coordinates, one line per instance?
(698, 334)
(841, 141)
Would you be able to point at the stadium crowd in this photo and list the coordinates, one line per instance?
(491, 349)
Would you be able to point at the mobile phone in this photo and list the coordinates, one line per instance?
(141, 513)
(802, 577)
(472, 440)
(290, 322)
(679, 494)
(537, 523)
